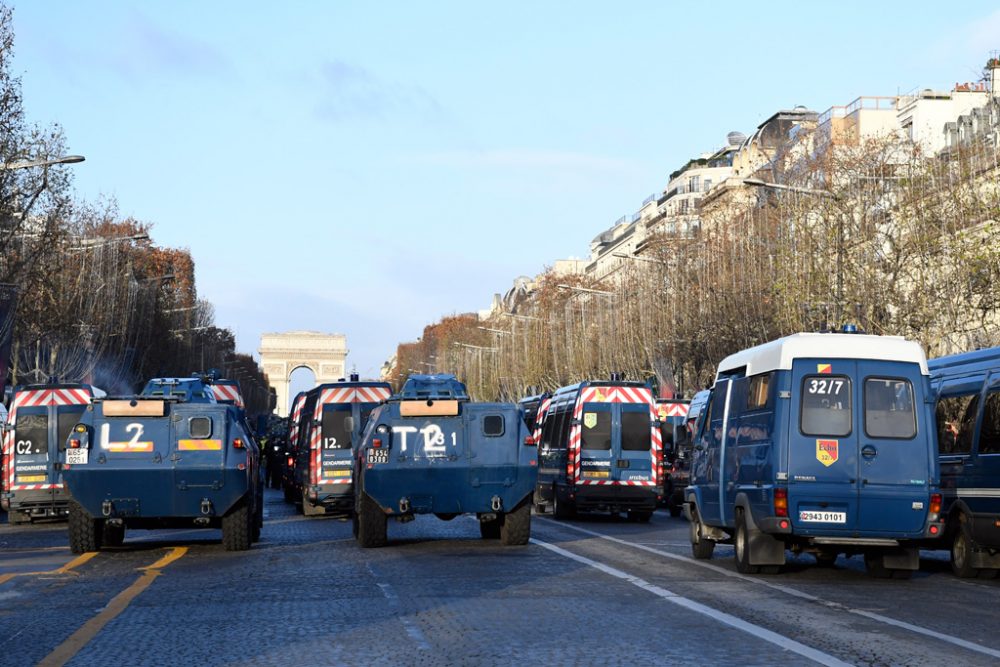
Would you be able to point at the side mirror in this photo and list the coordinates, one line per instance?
(349, 424)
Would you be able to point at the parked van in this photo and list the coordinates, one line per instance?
(967, 393)
(672, 415)
(821, 443)
(601, 450)
(41, 416)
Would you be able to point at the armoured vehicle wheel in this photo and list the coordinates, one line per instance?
(561, 509)
(490, 530)
(84, 530)
(237, 528)
(701, 548)
(961, 550)
(516, 526)
(674, 509)
(371, 523)
(741, 542)
(825, 559)
(112, 536)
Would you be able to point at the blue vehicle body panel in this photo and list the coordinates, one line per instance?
(163, 467)
(967, 392)
(445, 464)
(849, 440)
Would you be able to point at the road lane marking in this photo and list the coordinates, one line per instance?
(65, 569)
(411, 628)
(76, 641)
(927, 632)
(757, 631)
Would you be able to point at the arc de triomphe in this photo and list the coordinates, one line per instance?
(282, 353)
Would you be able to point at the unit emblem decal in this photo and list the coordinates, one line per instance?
(827, 451)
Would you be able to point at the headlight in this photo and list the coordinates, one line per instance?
(381, 429)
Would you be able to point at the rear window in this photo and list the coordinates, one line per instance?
(596, 426)
(31, 433)
(826, 405)
(493, 426)
(889, 411)
(69, 417)
(335, 433)
(635, 428)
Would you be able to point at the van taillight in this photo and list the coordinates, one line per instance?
(376, 443)
(781, 502)
(935, 503)
(291, 461)
(238, 443)
(74, 444)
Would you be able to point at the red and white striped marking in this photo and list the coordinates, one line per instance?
(614, 395)
(672, 409)
(543, 409)
(34, 398)
(228, 392)
(293, 432)
(335, 395)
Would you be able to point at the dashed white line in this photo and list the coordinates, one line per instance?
(720, 616)
(787, 590)
(409, 626)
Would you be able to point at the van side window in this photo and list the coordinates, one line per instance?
(826, 405)
(548, 426)
(889, 409)
(956, 422)
(989, 434)
(562, 428)
(758, 394)
(493, 426)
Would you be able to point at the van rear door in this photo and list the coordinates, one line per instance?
(823, 466)
(636, 461)
(895, 446)
(31, 461)
(335, 445)
(596, 440)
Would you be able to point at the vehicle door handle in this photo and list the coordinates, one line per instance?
(869, 452)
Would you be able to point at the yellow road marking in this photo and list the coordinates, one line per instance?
(4, 578)
(79, 560)
(76, 641)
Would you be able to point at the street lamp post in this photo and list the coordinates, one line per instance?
(26, 164)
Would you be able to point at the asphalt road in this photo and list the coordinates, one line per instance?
(597, 590)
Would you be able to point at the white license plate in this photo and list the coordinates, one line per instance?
(808, 516)
(76, 457)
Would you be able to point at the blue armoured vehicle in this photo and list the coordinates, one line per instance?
(430, 450)
(170, 458)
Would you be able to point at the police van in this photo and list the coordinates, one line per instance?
(532, 407)
(289, 488)
(820, 443)
(672, 414)
(600, 450)
(967, 393)
(41, 417)
(331, 419)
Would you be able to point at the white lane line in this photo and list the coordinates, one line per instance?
(787, 590)
(409, 626)
(720, 616)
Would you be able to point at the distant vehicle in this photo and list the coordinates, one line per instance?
(430, 450)
(190, 389)
(696, 409)
(967, 394)
(672, 415)
(289, 487)
(532, 407)
(159, 461)
(40, 419)
(818, 443)
(330, 424)
(601, 450)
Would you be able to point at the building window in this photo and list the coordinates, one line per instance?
(695, 182)
(708, 184)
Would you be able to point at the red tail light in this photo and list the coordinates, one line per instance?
(935, 503)
(238, 443)
(291, 461)
(781, 502)
(376, 443)
(74, 444)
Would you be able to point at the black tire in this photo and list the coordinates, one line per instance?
(961, 550)
(741, 546)
(288, 492)
(112, 536)
(237, 528)
(674, 509)
(515, 529)
(372, 529)
(640, 516)
(562, 509)
(701, 548)
(84, 530)
(825, 559)
(490, 530)
(875, 566)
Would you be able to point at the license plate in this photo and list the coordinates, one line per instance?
(378, 456)
(30, 479)
(336, 473)
(602, 474)
(77, 457)
(808, 516)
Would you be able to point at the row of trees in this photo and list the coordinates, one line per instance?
(98, 300)
(875, 232)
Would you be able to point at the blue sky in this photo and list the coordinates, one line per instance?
(366, 168)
